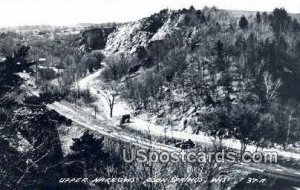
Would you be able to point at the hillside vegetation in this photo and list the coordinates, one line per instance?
(211, 71)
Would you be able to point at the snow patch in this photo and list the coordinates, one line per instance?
(66, 135)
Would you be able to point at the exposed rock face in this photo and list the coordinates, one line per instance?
(96, 38)
(131, 37)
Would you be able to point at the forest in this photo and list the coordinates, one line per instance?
(211, 71)
(239, 76)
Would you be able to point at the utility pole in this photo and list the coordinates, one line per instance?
(165, 130)
(76, 88)
(289, 128)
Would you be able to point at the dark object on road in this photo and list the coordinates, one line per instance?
(186, 145)
(125, 119)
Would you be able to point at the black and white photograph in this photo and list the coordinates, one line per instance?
(150, 95)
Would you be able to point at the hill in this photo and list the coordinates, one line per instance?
(183, 68)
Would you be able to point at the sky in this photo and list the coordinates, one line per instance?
(70, 12)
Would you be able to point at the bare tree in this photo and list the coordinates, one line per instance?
(110, 93)
(271, 86)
